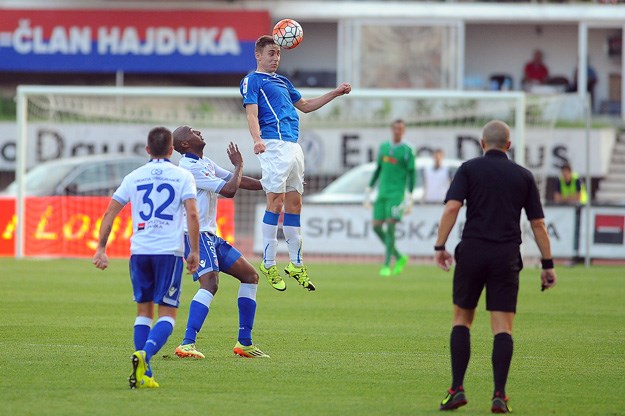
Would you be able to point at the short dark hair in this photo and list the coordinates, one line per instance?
(398, 121)
(181, 134)
(263, 41)
(566, 166)
(159, 142)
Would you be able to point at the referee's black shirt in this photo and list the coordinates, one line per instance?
(495, 189)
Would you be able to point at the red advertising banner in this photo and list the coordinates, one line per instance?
(66, 226)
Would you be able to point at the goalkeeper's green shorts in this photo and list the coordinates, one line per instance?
(388, 207)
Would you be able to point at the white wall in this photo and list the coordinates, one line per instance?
(506, 48)
(490, 48)
(318, 51)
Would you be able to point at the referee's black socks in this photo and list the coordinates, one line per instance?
(460, 344)
(502, 356)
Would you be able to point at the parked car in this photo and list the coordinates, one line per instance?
(350, 186)
(93, 175)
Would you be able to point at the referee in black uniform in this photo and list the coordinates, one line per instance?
(495, 190)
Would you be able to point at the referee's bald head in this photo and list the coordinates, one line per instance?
(496, 135)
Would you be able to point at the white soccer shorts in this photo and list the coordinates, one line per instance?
(282, 166)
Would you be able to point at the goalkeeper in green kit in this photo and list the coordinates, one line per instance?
(396, 173)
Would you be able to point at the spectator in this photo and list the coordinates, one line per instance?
(436, 179)
(535, 71)
(571, 189)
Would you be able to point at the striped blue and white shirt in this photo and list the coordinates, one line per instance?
(275, 95)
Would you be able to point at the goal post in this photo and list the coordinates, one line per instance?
(336, 137)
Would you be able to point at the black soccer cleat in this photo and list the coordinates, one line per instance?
(454, 399)
(500, 404)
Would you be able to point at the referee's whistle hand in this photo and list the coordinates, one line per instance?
(548, 278)
(443, 259)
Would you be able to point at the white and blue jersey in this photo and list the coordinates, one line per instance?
(275, 95)
(156, 192)
(209, 179)
(215, 253)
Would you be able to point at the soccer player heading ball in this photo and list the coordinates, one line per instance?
(270, 102)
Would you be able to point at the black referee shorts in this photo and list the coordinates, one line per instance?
(494, 265)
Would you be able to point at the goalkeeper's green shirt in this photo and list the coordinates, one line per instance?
(395, 169)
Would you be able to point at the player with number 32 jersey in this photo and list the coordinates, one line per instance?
(156, 192)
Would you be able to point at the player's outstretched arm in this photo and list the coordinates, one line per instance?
(231, 187)
(312, 104)
(100, 259)
(251, 184)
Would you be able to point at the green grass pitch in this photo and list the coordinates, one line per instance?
(359, 345)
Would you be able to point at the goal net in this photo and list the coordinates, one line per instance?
(79, 126)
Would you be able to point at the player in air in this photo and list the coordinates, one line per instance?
(216, 254)
(270, 102)
(157, 192)
(395, 170)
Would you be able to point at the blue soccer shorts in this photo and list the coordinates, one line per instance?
(156, 278)
(216, 254)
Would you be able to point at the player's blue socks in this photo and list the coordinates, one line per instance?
(198, 310)
(142, 327)
(158, 336)
(291, 228)
(270, 238)
(247, 312)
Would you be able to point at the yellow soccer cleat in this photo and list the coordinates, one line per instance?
(148, 382)
(251, 351)
(139, 367)
(275, 280)
(300, 274)
(188, 351)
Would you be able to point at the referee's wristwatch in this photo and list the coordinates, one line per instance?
(439, 248)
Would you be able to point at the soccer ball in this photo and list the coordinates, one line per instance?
(287, 33)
